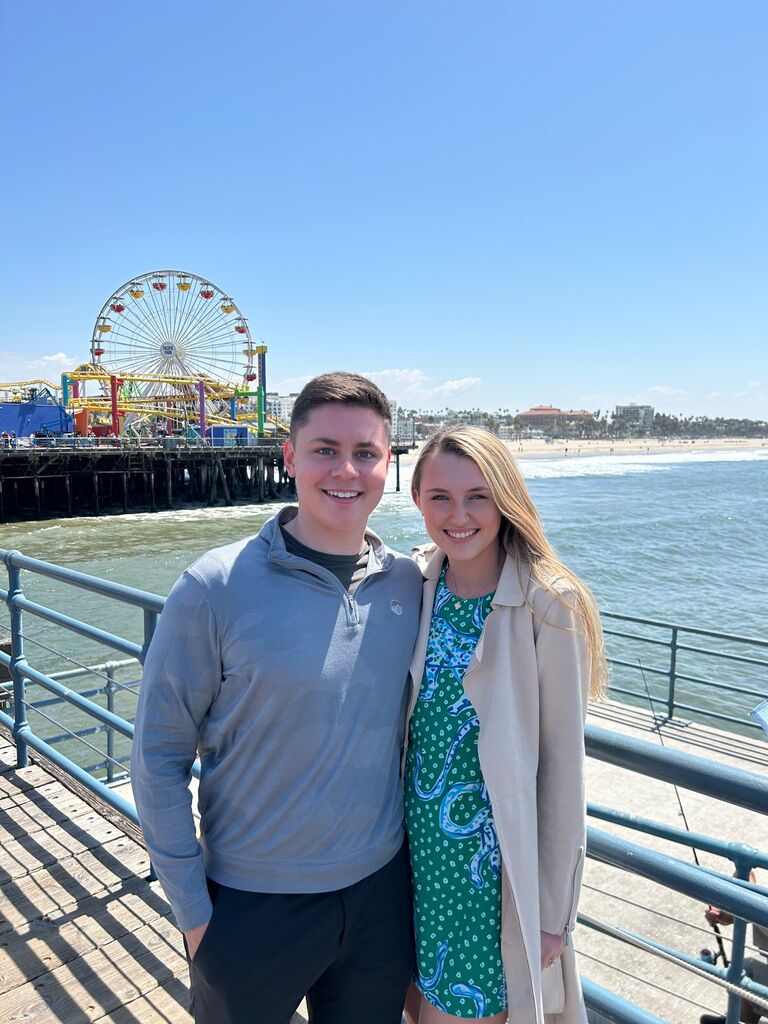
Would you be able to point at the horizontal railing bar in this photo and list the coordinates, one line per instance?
(696, 709)
(624, 935)
(637, 668)
(717, 714)
(697, 840)
(92, 730)
(52, 701)
(741, 658)
(74, 698)
(109, 796)
(719, 686)
(676, 874)
(745, 789)
(74, 673)
(662, 698)
(697, 630)
(614, 1009)
(118, 591)
(75, 626)
(719, 975)
(637, 636)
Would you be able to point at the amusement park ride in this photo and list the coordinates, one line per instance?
(170, 352)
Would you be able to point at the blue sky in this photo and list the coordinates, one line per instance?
(488, 204)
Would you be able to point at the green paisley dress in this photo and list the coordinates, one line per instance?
(454, 849)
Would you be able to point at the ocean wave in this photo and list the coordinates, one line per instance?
(625, 465)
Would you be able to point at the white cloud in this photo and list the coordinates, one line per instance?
(406, 386)
(453, 387)
(754, 384)
(411, 387)
(59, 359)
(14, 366)
(414, 387)
(288, 385)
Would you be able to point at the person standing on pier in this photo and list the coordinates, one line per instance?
(509, 650)
(283, 660)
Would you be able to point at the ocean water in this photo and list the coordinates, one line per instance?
(681, 538)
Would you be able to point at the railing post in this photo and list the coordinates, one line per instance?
(110, 731)
(18, 662)
(672, 674)
(736, 967)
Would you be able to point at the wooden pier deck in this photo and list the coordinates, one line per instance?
(84, 937)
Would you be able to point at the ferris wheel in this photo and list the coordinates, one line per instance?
(169, 326)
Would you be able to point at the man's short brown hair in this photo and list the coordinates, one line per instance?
(342, 388)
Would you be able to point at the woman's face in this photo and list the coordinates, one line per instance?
(459, 513)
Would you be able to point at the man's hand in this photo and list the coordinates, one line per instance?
(194, 937)
(551, 948)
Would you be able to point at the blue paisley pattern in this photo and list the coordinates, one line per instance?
(454, 849)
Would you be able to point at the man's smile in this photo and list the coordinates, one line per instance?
(346, 495)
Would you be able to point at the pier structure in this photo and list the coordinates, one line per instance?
(86, 479)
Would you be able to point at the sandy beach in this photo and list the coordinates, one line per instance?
(570, 448)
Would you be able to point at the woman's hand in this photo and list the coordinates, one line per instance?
(551, 948)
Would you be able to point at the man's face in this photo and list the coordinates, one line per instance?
(339, 461)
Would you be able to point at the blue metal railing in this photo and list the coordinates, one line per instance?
(734, 895)
(675, 654)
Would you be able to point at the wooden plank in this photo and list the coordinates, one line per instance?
(16, 823)
(166, 1004)
(62, 936)
(31, 811)
(103, 980)
(48, 790)
(16, 780)
(20, 857)
(59, 887)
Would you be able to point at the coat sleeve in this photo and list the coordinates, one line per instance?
(563, 663)
(182, 675)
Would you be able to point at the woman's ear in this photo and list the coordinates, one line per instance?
(416, 500)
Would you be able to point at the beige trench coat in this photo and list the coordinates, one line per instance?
(528, 682)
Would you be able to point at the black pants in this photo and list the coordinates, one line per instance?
(350, 952)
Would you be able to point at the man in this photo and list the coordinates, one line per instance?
(283, 660)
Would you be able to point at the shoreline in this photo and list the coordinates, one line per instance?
(578, 448)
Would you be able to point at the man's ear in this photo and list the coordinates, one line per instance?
(289, 457)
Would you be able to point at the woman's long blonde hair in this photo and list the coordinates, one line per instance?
(521, 533)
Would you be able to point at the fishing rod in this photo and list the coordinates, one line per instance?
(713, 924)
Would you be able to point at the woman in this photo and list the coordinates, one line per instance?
(510, 647)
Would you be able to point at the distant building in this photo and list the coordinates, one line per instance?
(550, 419)
(402, 424)
(541, 417)
(638, 418)
(280, 407)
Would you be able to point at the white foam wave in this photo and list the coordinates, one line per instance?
(626, 465)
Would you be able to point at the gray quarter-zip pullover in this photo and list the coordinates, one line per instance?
(293, 693)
